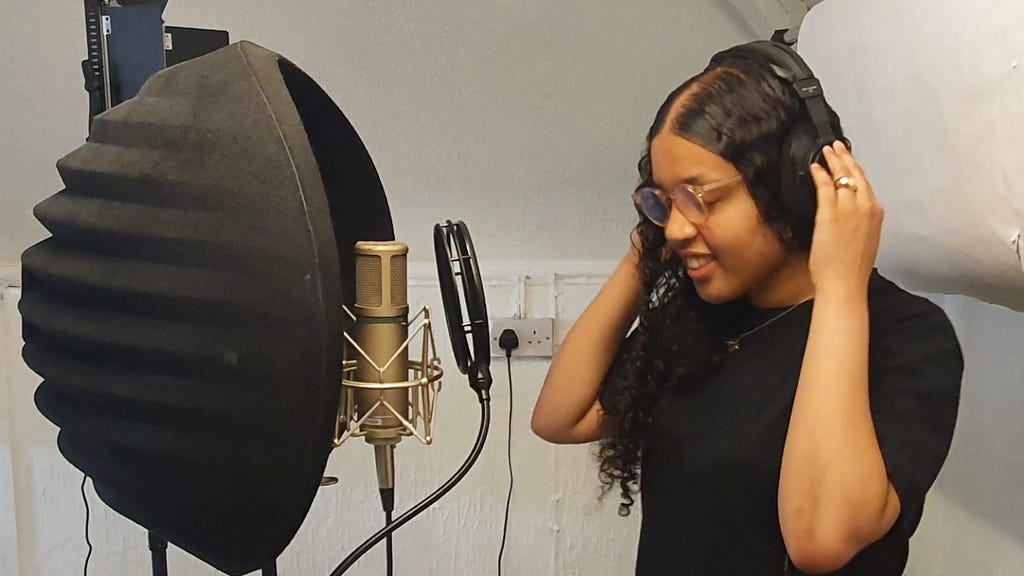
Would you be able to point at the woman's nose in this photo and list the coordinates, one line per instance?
(678, 227)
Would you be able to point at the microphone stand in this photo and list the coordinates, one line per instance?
(158, 551)
(385, 458)
(485, 422)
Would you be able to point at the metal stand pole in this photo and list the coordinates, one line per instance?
(158, 549)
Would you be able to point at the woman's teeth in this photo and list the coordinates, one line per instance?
(693, 262)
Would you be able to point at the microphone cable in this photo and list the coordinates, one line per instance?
(485, 423)
(508, 341)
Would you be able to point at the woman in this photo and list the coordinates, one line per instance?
(780, 406)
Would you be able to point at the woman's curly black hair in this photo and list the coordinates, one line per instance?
(679, 339)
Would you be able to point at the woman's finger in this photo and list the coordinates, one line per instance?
(854, 169)
(838, 168)
(825, 190)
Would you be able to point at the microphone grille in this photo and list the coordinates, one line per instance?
(368, 280)
(382, 278)
(399, 282)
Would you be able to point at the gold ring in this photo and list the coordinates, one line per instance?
(845, 182)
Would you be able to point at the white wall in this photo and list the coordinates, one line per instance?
(525, 119)
(494, 112)
(974, 517)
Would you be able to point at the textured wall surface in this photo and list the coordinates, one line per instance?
(524, 118)
(974, 518)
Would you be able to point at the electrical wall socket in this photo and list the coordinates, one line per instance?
(536, 336)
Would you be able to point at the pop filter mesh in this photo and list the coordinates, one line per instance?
(185, 314)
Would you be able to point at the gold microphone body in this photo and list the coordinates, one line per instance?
(381, 329)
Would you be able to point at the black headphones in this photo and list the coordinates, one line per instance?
(803, 143)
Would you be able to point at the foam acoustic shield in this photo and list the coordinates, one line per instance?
(186, 313)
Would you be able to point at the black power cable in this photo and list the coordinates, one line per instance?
(85, 568)
(507, 341)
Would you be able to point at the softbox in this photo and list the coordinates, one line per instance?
(186, 313)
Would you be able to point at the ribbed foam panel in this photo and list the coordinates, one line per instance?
(186, 314)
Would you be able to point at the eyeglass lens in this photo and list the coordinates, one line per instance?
(656, 206)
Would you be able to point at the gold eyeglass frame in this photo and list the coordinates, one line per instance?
(697, 191)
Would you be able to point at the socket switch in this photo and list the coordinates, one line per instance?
(536, 336)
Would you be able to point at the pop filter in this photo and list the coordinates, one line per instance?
(457, 268)
(186, 313)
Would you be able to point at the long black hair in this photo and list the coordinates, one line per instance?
(678, 342)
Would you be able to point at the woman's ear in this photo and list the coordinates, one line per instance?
(785, 233)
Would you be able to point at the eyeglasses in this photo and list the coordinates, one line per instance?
(655, 204)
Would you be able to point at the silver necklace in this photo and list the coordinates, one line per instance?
(734, 344)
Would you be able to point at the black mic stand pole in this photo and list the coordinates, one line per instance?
(384, 456)
(158, 549)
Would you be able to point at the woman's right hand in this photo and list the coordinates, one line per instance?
(568, 410)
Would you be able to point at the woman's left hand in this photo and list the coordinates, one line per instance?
(847, 227)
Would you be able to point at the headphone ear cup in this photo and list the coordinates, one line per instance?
(801, 147)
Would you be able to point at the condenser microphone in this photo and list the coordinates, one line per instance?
(459, 277)
(380, 330)
(386, 395)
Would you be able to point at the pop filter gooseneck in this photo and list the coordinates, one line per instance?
(456, 267)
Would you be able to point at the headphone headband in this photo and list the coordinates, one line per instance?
(786, 64)
(784, 61)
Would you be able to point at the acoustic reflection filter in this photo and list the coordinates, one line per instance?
(186, 314)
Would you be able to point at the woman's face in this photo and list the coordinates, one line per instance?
(733, 253)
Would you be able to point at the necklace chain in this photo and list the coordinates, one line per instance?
(734, 344)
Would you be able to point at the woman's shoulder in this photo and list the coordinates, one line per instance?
(889, 302)
(903, 319)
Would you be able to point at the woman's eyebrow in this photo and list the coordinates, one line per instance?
(694, 179)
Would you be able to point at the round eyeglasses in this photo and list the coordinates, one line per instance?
(655, 204)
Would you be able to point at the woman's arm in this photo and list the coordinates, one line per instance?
(567, 410)
(835, 497)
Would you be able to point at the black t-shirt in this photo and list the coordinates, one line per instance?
(710, 476)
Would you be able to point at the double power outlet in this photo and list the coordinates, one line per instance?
(536, 336)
